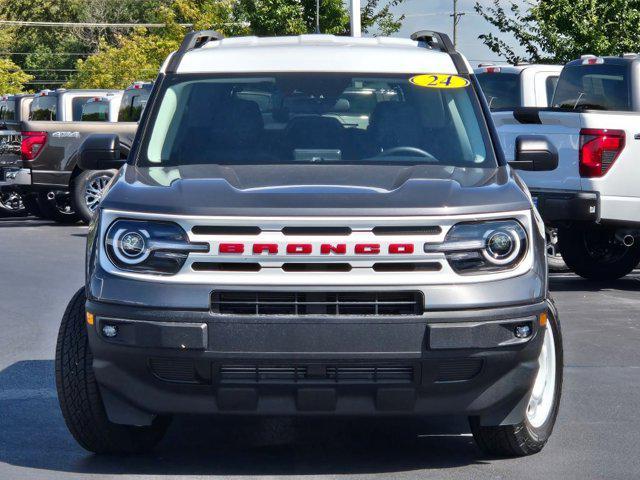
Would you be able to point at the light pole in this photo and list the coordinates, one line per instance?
(317, 16)
(356, 26)
(456, 19)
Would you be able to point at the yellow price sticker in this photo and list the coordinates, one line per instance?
(432, 80)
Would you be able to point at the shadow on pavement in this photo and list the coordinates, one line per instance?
(573, 283)
(17, 222)
(33, 434)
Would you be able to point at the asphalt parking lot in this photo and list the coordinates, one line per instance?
(597, 433)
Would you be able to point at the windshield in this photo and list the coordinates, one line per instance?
(502, 90)
(96, 111)
(315, 118)
(133, 103)
(593, 87)
(43, 108)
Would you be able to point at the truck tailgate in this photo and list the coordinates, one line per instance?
(57, 159)
(563, 130)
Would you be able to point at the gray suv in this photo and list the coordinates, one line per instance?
(276, 244)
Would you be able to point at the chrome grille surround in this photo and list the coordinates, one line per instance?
(362, 274)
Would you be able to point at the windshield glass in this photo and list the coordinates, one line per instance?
(313, 118)
(97, 111)
(43, 108)
(593, 87)
(501, 89)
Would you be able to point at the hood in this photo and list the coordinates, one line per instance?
(315, 190)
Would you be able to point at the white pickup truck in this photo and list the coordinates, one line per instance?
(593, 197)
(513, 86)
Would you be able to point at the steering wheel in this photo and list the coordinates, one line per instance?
(407, 151)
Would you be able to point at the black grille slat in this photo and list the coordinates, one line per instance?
(222, 230)
(330, 374)
(174, 370)
(458, 370)
(317, 303)
(419, 230)
(316, 231)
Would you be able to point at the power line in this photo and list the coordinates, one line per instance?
(47, 53)
(26, 23)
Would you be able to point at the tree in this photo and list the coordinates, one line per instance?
(12, 77)
(138, 56)
(561, 30)
(295, 17)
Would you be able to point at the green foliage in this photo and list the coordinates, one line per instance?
(562, 30)
(295, 17)
(107, 57)
(12, 78)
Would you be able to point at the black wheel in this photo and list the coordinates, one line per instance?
(79, 395)
(59, 209)
(531, 435)
(595, 253)
(554, 257)
(88, 188)
(32, 205)
(11, 203)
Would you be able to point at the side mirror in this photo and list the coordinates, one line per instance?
(535, 153)
(100, 151)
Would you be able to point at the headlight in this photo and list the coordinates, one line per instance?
(483, 246)
(149, 247)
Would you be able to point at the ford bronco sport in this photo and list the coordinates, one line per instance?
(313, 225)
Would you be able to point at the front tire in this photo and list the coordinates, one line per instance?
(595, 254)
(79, 395)
(88, 188)
(531, 435)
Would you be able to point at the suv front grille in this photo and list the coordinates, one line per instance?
(317, 303)
(323, 374)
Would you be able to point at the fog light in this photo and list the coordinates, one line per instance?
(522, 331)
(109, 331)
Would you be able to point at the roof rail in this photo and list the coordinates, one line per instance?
(441, 41)
(192, 40)
(434, 40)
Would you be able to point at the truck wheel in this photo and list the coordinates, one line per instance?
(11, 203)
(595, 254)
(79, 395)
(32, 205)
(59, 209)
(554, 257)
(531, 435)
(88, 188)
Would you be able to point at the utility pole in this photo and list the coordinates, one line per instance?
(456, 19)
(356, 26)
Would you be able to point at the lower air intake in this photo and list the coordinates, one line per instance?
(317, 303)
(316, 373)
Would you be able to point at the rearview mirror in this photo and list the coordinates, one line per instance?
(535, 153)
(100, 151)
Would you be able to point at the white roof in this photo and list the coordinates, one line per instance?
(534, 67)
(315, 53)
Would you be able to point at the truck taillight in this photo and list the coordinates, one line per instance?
(599, 148)
(32, 143)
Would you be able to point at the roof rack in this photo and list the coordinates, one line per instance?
(434, 40)
(192, 40)
(441, 41)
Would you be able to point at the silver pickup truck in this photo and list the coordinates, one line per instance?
(51, 136)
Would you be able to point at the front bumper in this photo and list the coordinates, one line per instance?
(466, 362)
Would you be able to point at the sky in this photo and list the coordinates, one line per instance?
(434, 15)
